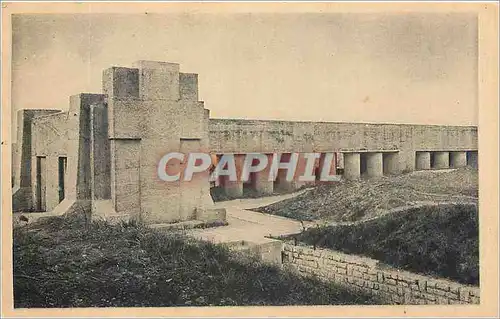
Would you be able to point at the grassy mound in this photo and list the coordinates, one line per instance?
(441, 241)
(65, 263)
(349, 201)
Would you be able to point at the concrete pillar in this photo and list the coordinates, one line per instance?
(188, 86)
(119, 82)
(472, 159)
(374, 164)
(262, 184)
(234, 189)
(301, 170)
(352, 165)
(441, 160)
(100, 156)
(159, 80)
(422, 160)
(458, 159)
(281, 184)
(325, 160)
(391, 163)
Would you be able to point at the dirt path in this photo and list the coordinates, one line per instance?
(245, 225)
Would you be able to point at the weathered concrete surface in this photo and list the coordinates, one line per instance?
(352, 165)
(211, 215)
(22, 199)
(188, 86)
(121, 82)
(112, 144)
(302, 170)
(391, 163)
(70, 135)
(423, 160)
(244, 136)
(100, 156)
(282, 183)
(261, 180)
(234, 189)
(158, 80)
(374, 164)
(165, 117)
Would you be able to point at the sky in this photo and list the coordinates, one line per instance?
(354, 67)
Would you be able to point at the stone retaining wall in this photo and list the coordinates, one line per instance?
(368, 275)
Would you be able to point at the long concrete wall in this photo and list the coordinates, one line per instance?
(113, 142)
(366, 275)
(245, 136)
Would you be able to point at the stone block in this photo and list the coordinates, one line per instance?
(158, 80)
(352, 165)
(188, 84)
(211, 215)
(270, 252)
(121, 83)
(374, 164)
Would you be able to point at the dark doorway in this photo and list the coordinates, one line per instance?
(472, 159)
(40, 193)
(62, 174)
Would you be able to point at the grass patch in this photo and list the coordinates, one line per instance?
(354, 200)
(441, 241)
(64, 262)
